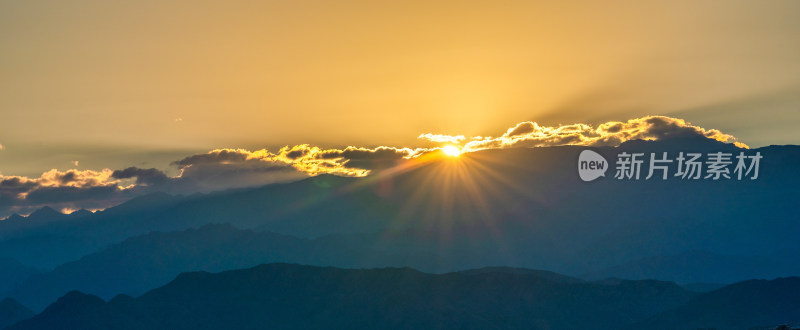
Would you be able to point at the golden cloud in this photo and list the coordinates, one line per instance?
(613, 133)
(76, 178)
(441, 138)
(69, 178)
(60, 189)
(311, 160)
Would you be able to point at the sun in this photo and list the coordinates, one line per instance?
(451, 151)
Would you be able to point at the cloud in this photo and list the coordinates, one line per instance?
(219, 156)
(238, 168)
(441, 138)
(215, 170)
(70, 189)
(311, 160)
(304, 159)
(613, 133)
(357, 161)
(211, 171)
(64, 195)
(143, 176)
(75, 178)
(231, 168)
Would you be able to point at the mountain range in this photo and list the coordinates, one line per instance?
(524, 208)
(288, 296)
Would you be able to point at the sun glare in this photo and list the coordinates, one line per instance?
(451, 151)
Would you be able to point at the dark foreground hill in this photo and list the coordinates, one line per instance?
(286, 296)
(744, 305)
(705, 267)
(11, 311)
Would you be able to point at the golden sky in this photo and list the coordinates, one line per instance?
(141, 81)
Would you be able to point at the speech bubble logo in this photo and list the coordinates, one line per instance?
(591, 165)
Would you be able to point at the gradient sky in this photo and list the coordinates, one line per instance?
(114, 84)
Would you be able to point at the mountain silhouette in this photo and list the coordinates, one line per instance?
(144, 262)
(287, 296)
(746, 305)
(11, 311)
(151, 260)
(705, 267)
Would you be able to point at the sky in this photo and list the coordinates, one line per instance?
(103, 86)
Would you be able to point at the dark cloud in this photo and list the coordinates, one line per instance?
(215, 157)
(371, 159)
(214, 170)
(70, 194)
(294, 154)
(16, 185)
(144, 176)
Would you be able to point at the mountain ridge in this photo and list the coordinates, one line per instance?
(286, 295)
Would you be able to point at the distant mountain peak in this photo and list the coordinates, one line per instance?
(11, 311)
(46, 210)
(153, 199)
(76, 298)
(9, 301)
(15, 217)
(80, 213)
(45, 213)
